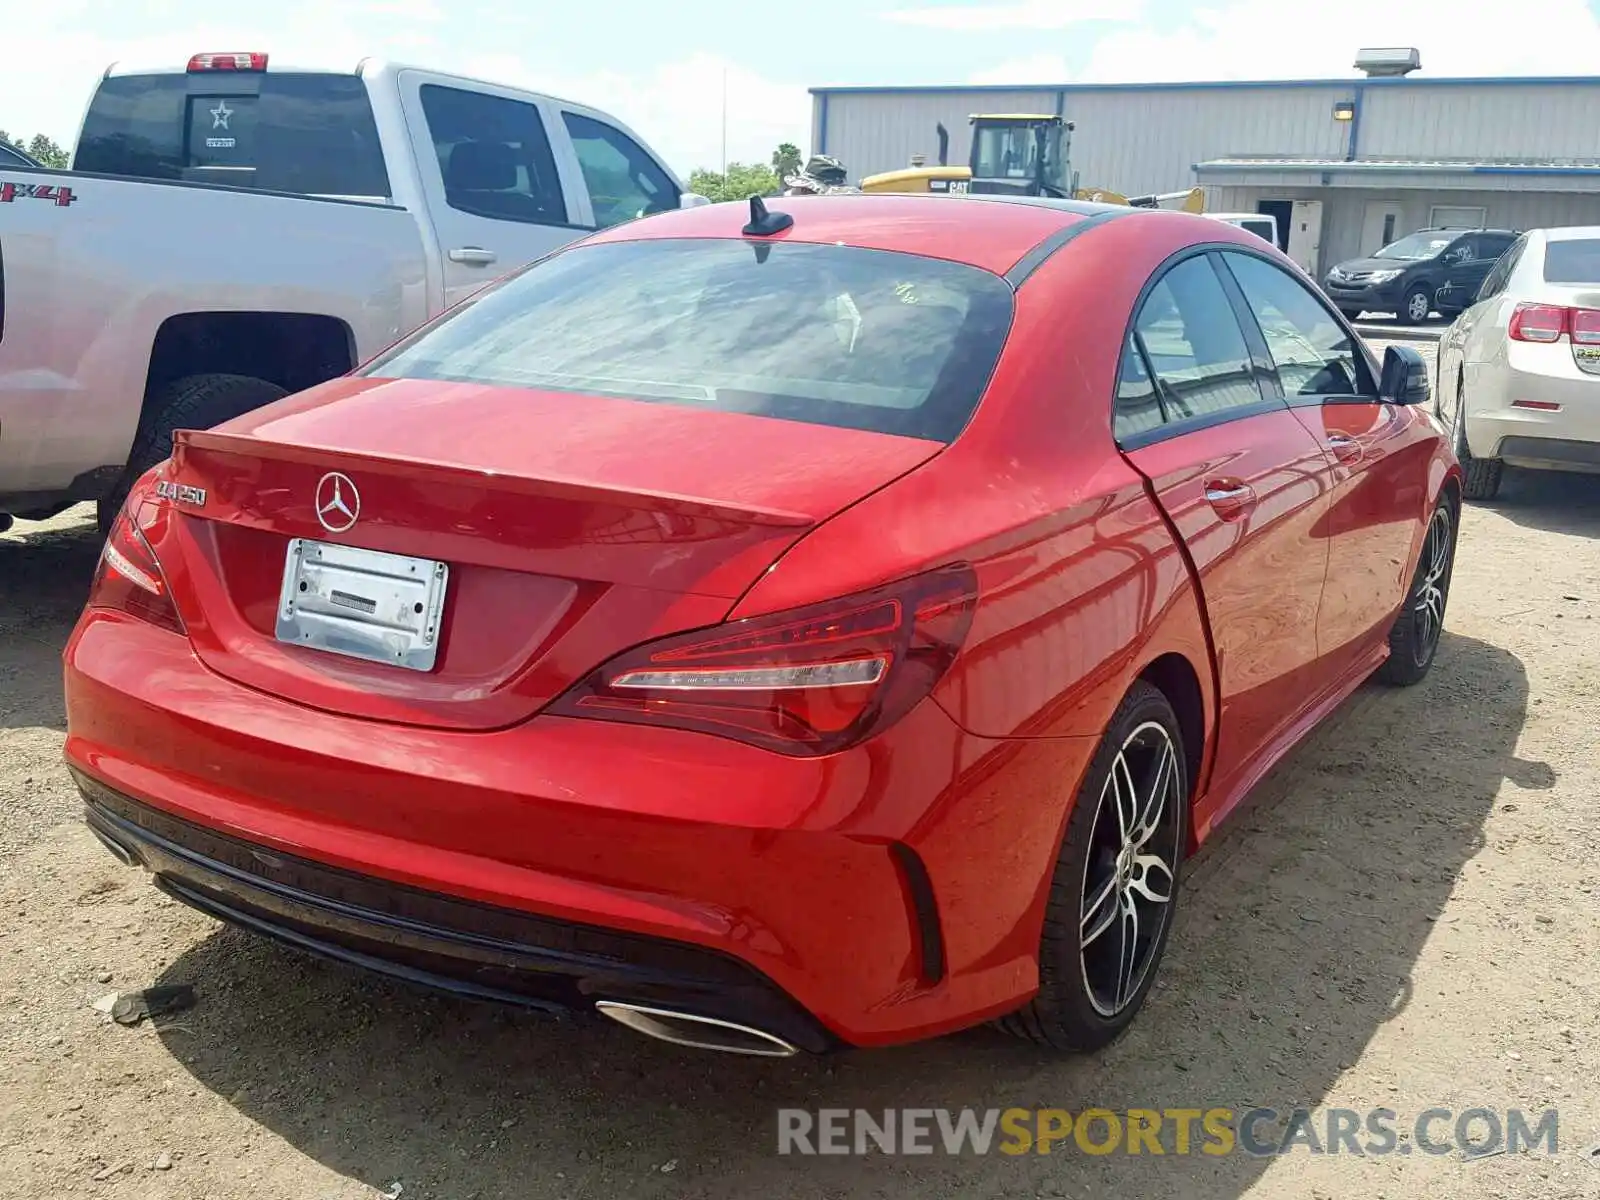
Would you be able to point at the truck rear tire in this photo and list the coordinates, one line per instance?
(193, 402)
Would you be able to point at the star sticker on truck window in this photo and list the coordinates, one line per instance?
(220, 115)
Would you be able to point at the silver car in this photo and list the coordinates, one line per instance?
(1519, 370)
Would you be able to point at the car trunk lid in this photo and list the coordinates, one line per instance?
(569, 528)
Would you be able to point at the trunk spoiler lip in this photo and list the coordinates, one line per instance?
(542, 485)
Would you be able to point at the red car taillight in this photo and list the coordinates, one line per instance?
(129, 578)
(1550, 322)
(1537, 322)
(805, 682)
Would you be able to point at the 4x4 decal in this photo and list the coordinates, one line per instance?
(60, 196)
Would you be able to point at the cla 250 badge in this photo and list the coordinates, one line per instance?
(180, 492)
(11, 192)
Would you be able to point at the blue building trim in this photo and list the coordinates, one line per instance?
(1220, 85)
(822, 123)
(1491, 169)
(1383, 168)
(1061, 102)
(1352, 147)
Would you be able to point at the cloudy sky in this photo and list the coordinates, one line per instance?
(660, 64)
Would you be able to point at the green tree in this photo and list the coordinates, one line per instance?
(48, 151)
(42, 148)
(786, 160)
(742, 181)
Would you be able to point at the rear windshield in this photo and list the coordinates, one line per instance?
(830, 335)
(280, 131)
(1575, 260)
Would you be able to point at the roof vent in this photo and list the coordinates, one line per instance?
(1388, 60)
(918, 159)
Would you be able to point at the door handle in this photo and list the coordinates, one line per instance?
(1229, 497)
(1345, 449)
(472, 256)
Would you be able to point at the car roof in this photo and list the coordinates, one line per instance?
(1569, 233)
(16, 157)
(990, 232)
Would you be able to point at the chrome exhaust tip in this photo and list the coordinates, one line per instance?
(701, 1033)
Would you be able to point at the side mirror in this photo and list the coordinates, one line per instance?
(1405, 377)
(692, 200)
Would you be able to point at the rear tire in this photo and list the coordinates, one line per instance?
(1123, 852)
(1414, 636)
(1480, 476)
(193, 402)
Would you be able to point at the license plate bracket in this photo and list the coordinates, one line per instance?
(366, 604)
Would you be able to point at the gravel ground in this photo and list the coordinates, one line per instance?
(1403, 917)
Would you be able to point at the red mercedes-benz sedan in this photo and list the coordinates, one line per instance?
(772, 630)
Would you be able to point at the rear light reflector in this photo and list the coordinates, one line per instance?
(129, 578)
(805, 682)
(1541, 405)
(1537, 323)
(230, 61)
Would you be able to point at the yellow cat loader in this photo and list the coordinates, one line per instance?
(1017, 154)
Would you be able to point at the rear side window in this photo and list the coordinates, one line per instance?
(494, 156)
(1572, 260)
(279, 131)
(1262, 229)
(1193, 344)
(828, 335)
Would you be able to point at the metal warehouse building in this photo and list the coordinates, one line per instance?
(1346, 165)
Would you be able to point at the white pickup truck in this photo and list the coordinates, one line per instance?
(229, 233)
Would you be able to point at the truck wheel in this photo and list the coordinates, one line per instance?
(194, 402)
(1115, 885)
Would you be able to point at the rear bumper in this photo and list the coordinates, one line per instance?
(433, 940)
(1565, 438)
(890, 893)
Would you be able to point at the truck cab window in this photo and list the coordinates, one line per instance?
(283, 131)
(624, 182)
(494, 156)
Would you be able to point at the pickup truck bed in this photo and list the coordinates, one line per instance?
(114, 289)
(146, 291)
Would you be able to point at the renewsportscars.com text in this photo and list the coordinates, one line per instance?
(1216, 1131)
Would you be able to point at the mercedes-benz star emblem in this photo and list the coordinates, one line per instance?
(338, 502)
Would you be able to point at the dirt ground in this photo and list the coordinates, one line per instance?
(1403, 917)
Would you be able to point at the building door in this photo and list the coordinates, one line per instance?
(1383, 224)
(1305, 235)
(1281, 211)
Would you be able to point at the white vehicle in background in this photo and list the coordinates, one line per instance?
(1519, 370)
(1263, 225)
(230, 233)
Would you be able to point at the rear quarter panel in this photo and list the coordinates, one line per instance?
(1082, 585)
(88, 286)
